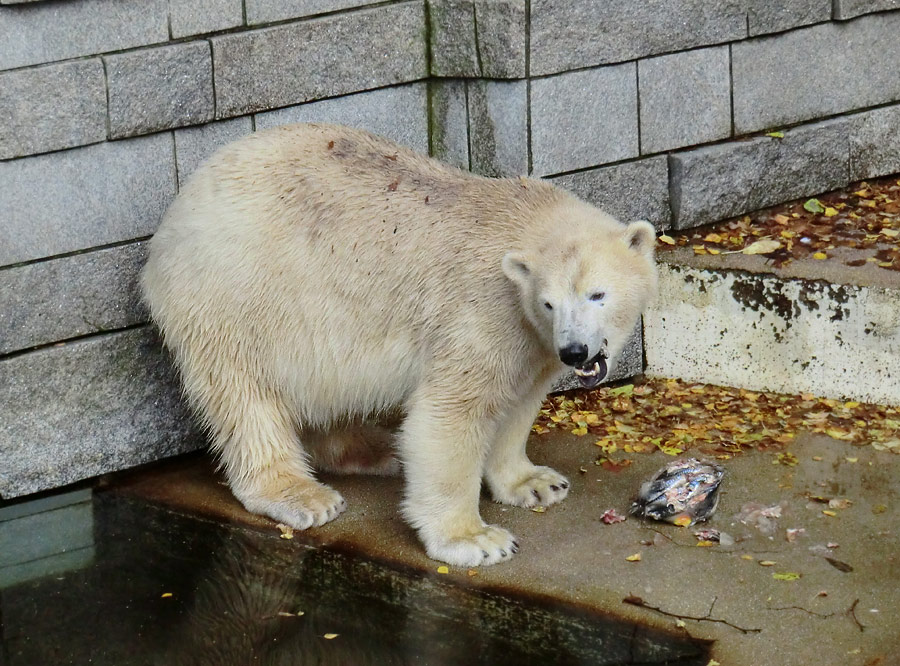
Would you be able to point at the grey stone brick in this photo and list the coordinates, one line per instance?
(399, 113)
(875, 143)
(323, 57)
(631, 191)
(196, 17)
(449, 122)
(71, 296)
(195, 144)
(498, 127)
(84, 197)
(159, 88)
(86, 408)
(45, 32)
(847, 9)
(267, 11)
(764, 16)
(814, 72)
(582, 119)
(717, 182)
(52, 107)
(582, 33)
(478, 38)
(685, 99)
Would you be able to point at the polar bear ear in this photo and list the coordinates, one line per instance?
(516, 267)
(641, 237)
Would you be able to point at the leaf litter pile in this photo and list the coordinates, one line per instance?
(673, 416)
(865, 218)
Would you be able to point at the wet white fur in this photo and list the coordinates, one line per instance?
(312, 276)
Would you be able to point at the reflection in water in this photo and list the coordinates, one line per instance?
(236, 596)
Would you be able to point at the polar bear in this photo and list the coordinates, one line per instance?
(311, 277)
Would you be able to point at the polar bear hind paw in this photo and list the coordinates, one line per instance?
(309, 504)
(542, 486)
(491, 545)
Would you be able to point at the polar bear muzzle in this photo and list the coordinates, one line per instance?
(593, 371)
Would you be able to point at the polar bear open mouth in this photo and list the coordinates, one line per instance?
(592, 373)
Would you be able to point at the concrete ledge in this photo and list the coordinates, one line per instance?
(762, 331)
(81, 409)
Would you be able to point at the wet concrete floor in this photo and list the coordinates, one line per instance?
(569, 596)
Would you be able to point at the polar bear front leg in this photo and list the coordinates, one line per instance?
(442, 445)
(510, 475)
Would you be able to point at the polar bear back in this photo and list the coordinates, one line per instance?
(341, 268)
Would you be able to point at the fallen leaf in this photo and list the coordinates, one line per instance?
(287, 532)
(840, 566)
(682, 521)
(789, 575)
(775, 135)
(634, 558)
(820, 255)
(539, 509)
(668, 240)
(832, 514)
(443, 570)
(165, 595)
(706, 544)
(330, 636)
(814, 206)
(472, 572)
(767, 563)
(762, 247)
(830, 212)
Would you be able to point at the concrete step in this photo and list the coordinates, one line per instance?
(825, 326)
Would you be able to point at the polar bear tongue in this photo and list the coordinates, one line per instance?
(592, 373)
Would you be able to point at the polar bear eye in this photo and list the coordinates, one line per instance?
(598, 296)
(547, 305)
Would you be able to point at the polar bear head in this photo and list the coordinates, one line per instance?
(584, 287)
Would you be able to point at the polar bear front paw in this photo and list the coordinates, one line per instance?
(301, 505)
(490, 545)
(540, 486)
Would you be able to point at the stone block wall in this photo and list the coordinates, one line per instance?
(650, 108)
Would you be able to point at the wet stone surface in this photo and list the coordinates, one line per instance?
(179, 590)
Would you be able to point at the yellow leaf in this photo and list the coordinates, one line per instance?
(776, 135)
(699, 249)
(820, 255)
(767, 563)
(762, 247)
(829, 513)
(746, 557)
(789, 575)
(851, 405)
(579, 431)
(713, 250)
(713, 238)
(165, 595)
(668, 240)
(891, 233)
(539, 509)
(634, 558)
(705, 543)
(682, 521)
(472, 572)
(329, 637)
(443, 570)
(830, 212)
(713, 662)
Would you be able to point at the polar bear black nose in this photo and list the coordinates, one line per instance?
(573, 354)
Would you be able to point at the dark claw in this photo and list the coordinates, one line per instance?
(537, 495)
(485, 554)
(502, 553)
(515, 544)
(515, 548)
